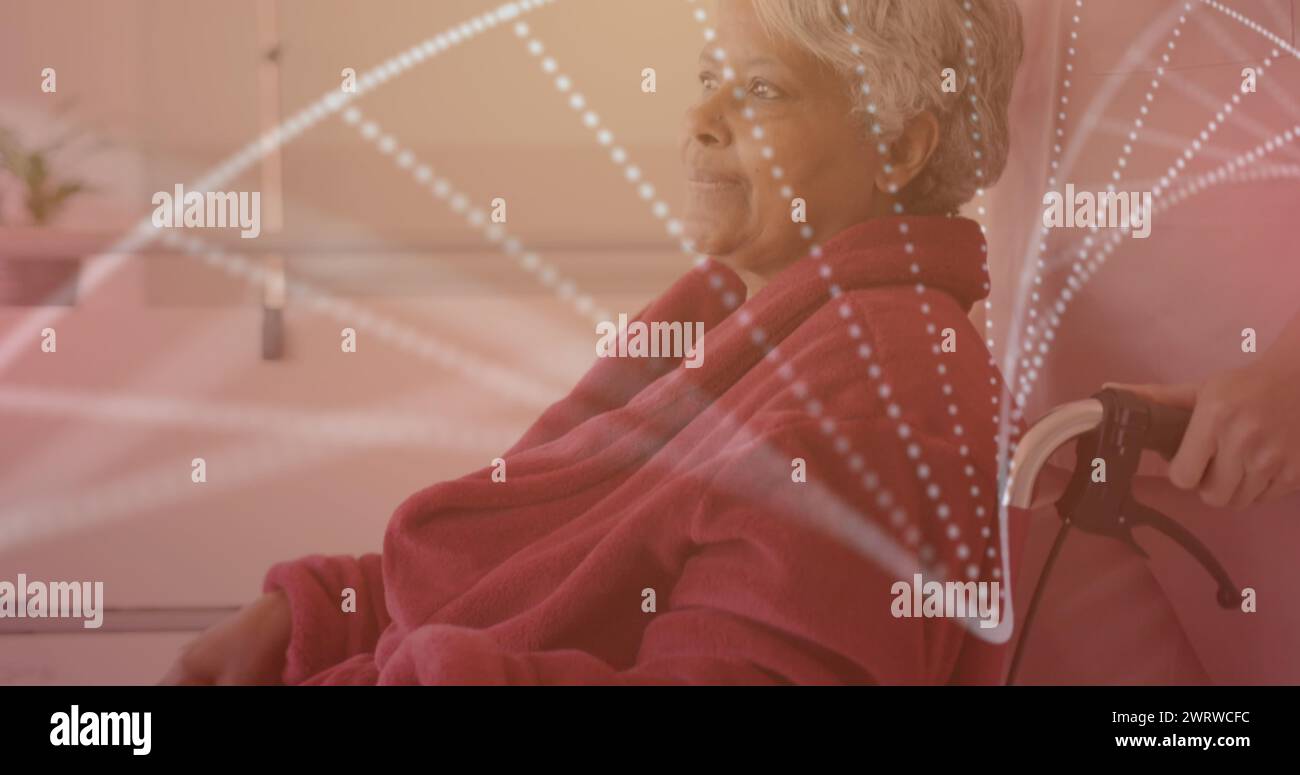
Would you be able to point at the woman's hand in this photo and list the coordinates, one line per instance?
(1243, 442)
(247, 648)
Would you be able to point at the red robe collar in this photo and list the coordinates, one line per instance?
(942, 253)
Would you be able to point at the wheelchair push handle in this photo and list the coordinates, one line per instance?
(1115, 426)
(1159, 427)
(1168, 426)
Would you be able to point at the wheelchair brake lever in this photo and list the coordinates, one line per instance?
(1138, 514)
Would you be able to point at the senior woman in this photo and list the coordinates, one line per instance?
(750, 520)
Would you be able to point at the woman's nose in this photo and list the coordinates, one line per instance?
(706, 120)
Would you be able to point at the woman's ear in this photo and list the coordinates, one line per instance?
(909, 153)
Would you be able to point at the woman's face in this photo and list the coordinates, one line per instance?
(735, 209)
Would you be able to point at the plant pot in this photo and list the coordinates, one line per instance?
(42, 266)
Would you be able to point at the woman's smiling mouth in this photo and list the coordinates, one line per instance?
(710, 180)
(713, 185)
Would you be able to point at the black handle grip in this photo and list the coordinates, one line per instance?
(1168, 424)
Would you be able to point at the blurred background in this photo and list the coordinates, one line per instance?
(166, 353)
(163, 362)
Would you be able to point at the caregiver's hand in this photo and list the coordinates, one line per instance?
(1243, 442)
(247, 648)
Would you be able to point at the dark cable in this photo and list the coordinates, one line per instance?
(1033, 602)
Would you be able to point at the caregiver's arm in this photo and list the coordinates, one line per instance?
(315, 612)
(1243, 442)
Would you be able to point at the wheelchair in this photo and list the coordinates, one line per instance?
(1111, 430)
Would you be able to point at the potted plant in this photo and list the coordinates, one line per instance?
(38, 263)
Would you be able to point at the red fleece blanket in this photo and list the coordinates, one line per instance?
(653, 527)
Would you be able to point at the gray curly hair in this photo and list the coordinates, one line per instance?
(892, 54)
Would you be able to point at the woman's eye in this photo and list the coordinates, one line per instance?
(764, 90)
(707, 80)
